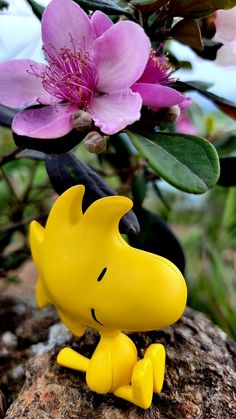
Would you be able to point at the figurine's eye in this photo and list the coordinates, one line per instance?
(102, 274)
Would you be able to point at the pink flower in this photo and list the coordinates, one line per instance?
(226, 34)
(184, 125)
(94, 65)
(91, 66)
(153, 84)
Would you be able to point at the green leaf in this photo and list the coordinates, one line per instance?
(188, 32)
(37, 8)
(106, 6)
(188, 162)
(195, 9)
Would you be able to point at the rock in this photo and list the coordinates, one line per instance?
(58, 335)
(17, 373)
(9, 340)
(200, 379)
(21, 326)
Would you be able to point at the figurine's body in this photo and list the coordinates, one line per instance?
(94, 278)
(114, 365)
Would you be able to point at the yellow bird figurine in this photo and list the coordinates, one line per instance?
(94, 278)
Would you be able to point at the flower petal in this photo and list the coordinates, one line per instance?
(100, 23)
(47, 122)
(20, 88)
(185, 104)
(157, 96)
(113, 112)
(226, 55)
(120, 61)
(64, 23)
(225, 25)
(185, 126)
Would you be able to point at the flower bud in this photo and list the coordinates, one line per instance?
(95, 142)
(171, 115)
(82, 121)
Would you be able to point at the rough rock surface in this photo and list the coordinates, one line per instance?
(200, 379)
(22, 328)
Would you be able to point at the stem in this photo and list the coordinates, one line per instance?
(9, 157)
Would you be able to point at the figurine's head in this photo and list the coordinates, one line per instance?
(94, 278)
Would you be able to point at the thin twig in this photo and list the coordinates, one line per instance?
(9, 157)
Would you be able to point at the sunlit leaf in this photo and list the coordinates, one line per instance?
(188, 162)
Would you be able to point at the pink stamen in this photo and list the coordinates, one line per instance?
(70, 75)
(162, 67)
(158, 69)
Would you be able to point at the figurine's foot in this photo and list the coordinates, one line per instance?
(157, 354)
(141, 389)
(69, 358)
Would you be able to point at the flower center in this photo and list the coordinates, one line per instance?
(161, 67)
(70, 75)
(158, 69)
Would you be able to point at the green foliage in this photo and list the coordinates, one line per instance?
(24, 196)
(213, 291)
(187, 162)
